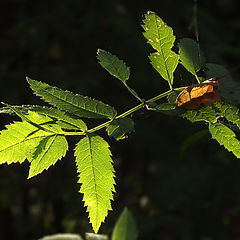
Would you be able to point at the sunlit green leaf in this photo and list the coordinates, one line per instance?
(41, 146)
(226, 137)
(207, 114)
(161, 38)
(65, 119)
(76, 104)
(94, 164)
(113, 65)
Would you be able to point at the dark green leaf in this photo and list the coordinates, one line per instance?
(125, 228)
(113, 65)
(73, 103)
(190, 55)
(207, 114)
(120, 127)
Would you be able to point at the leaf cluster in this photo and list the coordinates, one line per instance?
(40, 136)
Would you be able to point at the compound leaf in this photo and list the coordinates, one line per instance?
(190, 55)
(161, 38)
(226, 137)
(207, 114)
(68, 120)
(113, 65)
(230, 112)
(49, 150)
(125, 228)
(76, 104)
(21, 140)
(120, 127)
(94, 164)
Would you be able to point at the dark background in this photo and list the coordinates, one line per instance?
(176, 186)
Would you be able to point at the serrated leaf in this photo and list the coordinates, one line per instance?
(50, 149)
(20, 140)
(120, 127)
(125, 228)
(161, 38)
(113, 65)
(65, 119)
(94, 164)
(92, 236)
(229, 89)
(190, 55)
(226, 137)
(70, 120)
(47, 153)
(73, 103)
(208, 114)
(230, 112)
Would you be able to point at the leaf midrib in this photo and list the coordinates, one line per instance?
(94, 177)
(160, 40)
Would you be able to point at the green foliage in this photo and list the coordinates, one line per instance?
(125, 228)
(208, 114)
(73, 103)
(40, 139)
(161, 38)
(94, 164)
(190, 55)
(226, 137)
(23, 140)
(113, 65)
(223, 134)
(117, 68)
(120, 127)
(64, 119)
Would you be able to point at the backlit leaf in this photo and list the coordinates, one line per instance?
(226, 137)
(161, 38)
(68, 120)
(94, 164)
(23, 140)
(73, 103)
